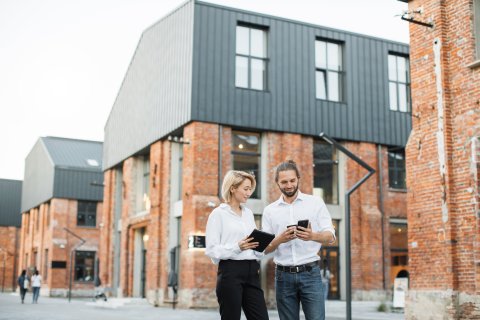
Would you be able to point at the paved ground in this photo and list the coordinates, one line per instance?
(137, 309)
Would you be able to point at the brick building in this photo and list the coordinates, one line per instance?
(62, 204)
(10, 197)
(211, 88)
(443, 161)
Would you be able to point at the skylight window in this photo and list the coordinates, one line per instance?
(93, 163)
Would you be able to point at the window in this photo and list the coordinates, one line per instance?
(396, 168)
(399, 83)
(251, 58)
(84, 265)
(246, 155)
(476, 9)
(37, 218)
(143, 184)
(325, 172)
(86, 214)
(328, 70)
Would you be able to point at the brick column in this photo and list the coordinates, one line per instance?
(200, 186)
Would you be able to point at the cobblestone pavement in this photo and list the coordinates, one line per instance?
(139, 309)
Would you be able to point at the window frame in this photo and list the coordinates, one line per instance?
(76, 265)
(250, 57)
(326, 70)
(257, 194)
(395, 169)
(333, 161)
(87, 213)
(397, 83)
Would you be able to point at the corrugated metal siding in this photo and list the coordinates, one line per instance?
(38, 178)
(155, 97)
(10, 200)
(290, 104)
(78, 184)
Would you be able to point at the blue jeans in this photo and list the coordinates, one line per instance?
(36, 293)
(295, 288)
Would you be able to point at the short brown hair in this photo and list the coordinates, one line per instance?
(234, 178)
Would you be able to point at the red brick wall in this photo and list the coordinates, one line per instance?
(43, 228)
(9, 252)
(443, 208)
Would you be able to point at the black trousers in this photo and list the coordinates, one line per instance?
(238, 287)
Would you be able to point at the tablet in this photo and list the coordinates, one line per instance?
(263, 239)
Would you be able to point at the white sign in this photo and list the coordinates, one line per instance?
(400, 288)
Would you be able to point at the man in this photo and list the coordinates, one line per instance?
(297, 276)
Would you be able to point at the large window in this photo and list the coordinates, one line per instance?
(251, 58)
(325, 172)
(84, 265)
(87, 214)
(399, 83)
(396, 168)
(246, 155)
(328, 70)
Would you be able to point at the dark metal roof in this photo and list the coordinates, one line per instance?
(10, 199)
(62, 168)
(73, 153)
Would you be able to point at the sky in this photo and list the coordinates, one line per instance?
(62, 61)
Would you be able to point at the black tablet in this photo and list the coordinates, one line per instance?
(263, 239)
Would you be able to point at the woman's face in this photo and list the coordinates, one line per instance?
(243, 191)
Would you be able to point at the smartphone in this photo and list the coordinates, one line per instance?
(292, 225)
(303, 223)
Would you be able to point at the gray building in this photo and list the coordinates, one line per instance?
(211, 88)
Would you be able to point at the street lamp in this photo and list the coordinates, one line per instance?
(82, 241)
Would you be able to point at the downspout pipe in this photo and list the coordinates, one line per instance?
(371, 171)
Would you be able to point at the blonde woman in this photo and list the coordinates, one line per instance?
(228, 226)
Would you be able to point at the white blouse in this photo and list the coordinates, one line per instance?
(224, 230)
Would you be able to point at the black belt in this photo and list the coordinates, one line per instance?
(297, 269)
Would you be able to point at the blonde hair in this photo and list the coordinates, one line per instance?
(235, 178)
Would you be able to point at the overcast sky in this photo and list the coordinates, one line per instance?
(62, 61)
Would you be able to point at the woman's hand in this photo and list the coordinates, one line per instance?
(246, 244)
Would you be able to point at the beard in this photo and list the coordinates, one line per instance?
(289, 194)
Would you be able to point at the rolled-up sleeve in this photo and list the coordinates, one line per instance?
(324, 220)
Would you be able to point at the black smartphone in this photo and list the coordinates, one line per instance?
(303, 223)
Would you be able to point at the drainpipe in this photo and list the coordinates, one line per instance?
(382, 214)
(220, 143)
(371, 171)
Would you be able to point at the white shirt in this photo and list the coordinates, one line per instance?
(36, 281)
(280, 214)
(224, 230)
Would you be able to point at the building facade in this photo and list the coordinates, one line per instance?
(61, 213)
(210, 89)
(443, 161)
(10, 198)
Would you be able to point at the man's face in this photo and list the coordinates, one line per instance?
(288, 182)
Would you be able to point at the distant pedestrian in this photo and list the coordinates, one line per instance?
(23, 284)
(36, 284)
(326, 276)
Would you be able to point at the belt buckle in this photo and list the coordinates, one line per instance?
(297, 269)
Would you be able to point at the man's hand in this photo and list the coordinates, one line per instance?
(246, 244)
(305, 234)
(286, 236)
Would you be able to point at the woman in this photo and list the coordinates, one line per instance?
(23, 284)
(36, 284)
(228, 226)
(326, 276)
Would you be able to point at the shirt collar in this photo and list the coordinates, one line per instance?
(300, 196)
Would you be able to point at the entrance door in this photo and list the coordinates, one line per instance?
(139, 264)
(331, 254)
